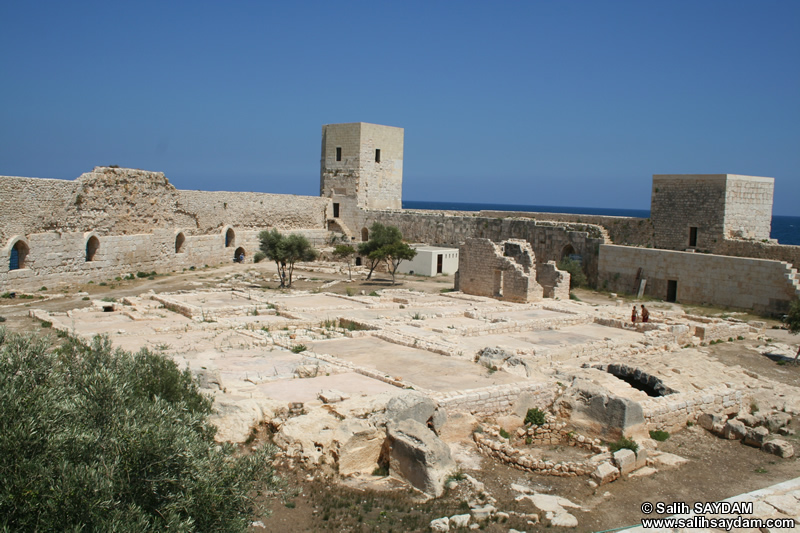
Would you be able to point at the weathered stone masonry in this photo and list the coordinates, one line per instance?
(111, 222)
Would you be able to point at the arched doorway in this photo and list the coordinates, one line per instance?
(19, 252)
(239, 255)
(92, 245)
(230, 238)
(180, 240)
(364, 234)
(567, 251)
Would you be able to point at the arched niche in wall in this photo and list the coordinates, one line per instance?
(180, 243)
(364, 234)
(92, 245)
(230, 236)
(239, 255)
(17, 250)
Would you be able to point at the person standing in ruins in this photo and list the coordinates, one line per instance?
(634, 315)
(645, 314)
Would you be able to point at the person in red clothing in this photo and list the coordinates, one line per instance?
(645, 314)
(634, 315)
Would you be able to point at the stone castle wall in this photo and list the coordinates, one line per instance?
(765, 286)
(139, 220)
(631, 231)
(550, 241)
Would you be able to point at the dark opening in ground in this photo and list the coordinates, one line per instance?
(639, 380)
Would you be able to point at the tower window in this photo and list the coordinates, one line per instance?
(377, 155)
(692, 237)
(338, 153)
(335, 210)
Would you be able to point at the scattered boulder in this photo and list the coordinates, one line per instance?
(734, 430)
(709, 421)
(499, 359)
(664, 459)
(594, 410)
(208, 378)
(459, 520)
(356, 445)
(414, 405)
(756, 437)
(779, 447)
(777, 420)
(605, 473)
(419, 456)
(625, 460)
(332, 396)
(483, 512)
(440, 524)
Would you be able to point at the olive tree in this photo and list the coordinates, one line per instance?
(792, 320)
(286, 251)
(345, 252)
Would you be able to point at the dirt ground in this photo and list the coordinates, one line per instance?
(717, 469)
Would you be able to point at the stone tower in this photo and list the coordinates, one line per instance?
(361, 167)
(699, 211)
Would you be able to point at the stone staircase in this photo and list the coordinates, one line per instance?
(792, 277)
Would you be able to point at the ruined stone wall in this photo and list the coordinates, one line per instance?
(554, 282)
(484, 271)
(136, 217)
(497, 400)
(549, 240)
(632, 231)
(671, 412)
(761, 285)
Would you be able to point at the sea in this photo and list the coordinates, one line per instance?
(785, 229)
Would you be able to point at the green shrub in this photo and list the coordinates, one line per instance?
(659, 435)
(534, 417)
(373, 293)
(259, 256)
(381, 471)
(577, 278)
(504, 434)
(2, 319)
(623, 442)
(297, 348)
(96, 439)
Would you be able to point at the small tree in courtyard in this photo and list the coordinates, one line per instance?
(344, 252)
(792, 319)
(379, 237)
(394, 254)
(286, 251)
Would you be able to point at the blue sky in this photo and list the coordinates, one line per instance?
(572, 103)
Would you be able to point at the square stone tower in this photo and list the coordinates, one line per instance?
(361, 167)
(698, 211)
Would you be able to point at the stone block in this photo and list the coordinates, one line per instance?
(734, 430)
(779, 447)
(756, 436)
(641, 458)
(625, 460)
(440, 524)
(605, 473)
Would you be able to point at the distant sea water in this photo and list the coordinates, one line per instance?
(785, 229)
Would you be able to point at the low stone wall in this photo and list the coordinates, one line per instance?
(492, 444)
(674, 411)
(500, 399)
(761, 285)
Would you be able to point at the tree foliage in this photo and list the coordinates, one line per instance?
(385, 244)
(98, 439)
(792, 320)
(286, 251)
(344, 252)
(577, 278)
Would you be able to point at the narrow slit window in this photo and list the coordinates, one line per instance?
(692, 237)
(338, 153)
(377, 155)
(335, 210)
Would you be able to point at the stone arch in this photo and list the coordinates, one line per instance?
(567, 251)
(92, 245)
(180, 243)
(364, 234)
(230, 237)
(239, 253)
(18, 250)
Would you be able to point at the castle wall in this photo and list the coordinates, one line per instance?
(484, 270)
(748, 207)
(136, 217)
(631, 231)
(762, 285)
(549, 240)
